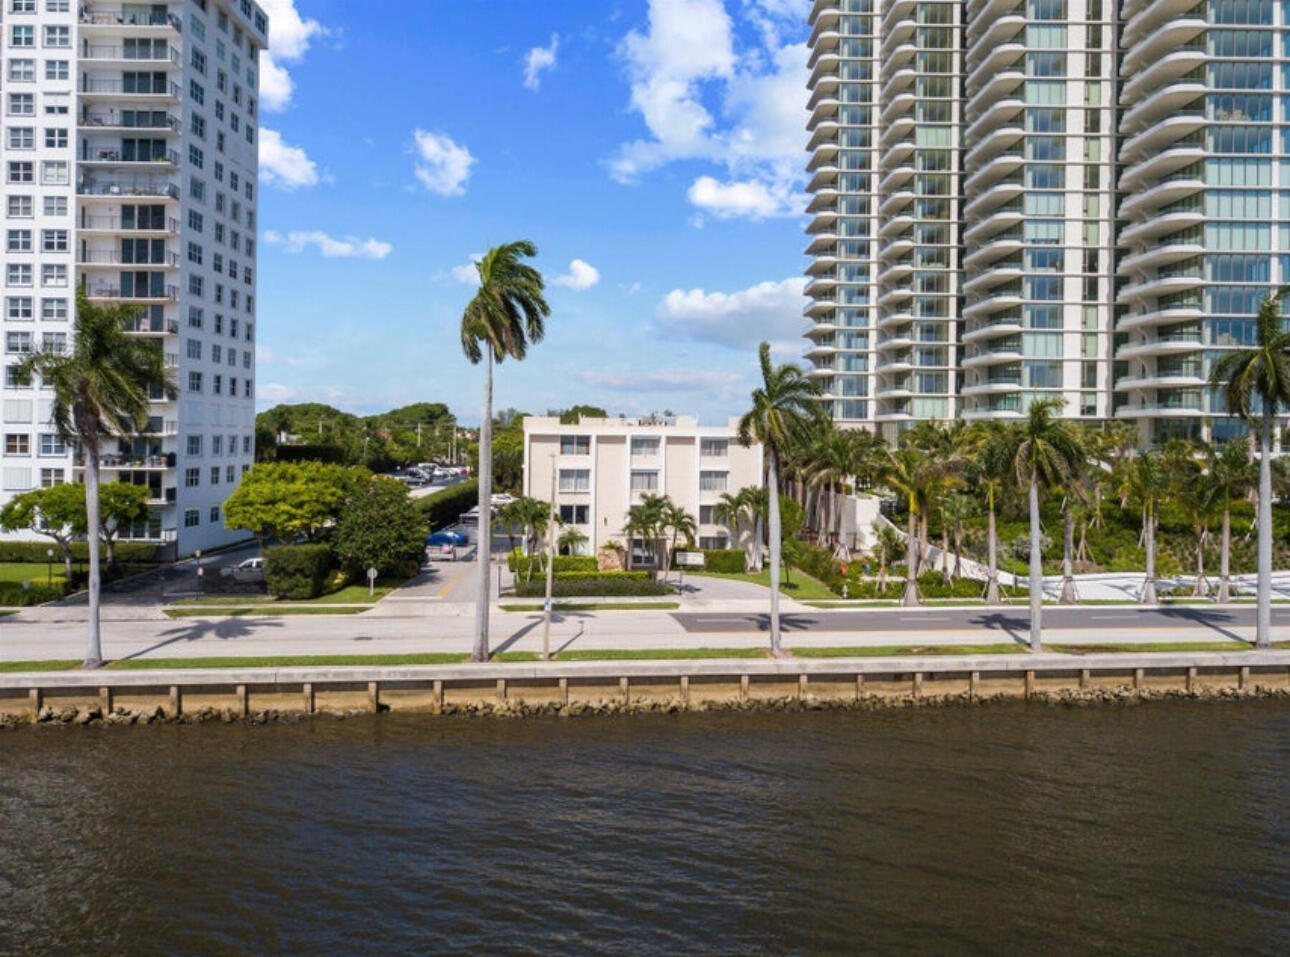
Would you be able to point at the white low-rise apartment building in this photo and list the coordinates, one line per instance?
(131, 136)
(602, 467)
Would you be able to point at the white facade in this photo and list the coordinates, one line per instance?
(602, 467)
(130, 168)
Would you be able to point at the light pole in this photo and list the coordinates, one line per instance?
(49, 566)
(200, 571)
(550, 570)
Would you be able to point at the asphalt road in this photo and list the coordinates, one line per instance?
(968, 619)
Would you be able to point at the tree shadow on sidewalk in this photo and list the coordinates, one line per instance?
(220, 629)
(1016, 628)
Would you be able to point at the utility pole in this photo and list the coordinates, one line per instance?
(550, 570)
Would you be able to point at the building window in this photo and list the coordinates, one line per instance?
(194, 445)
(214, 474)
(714, 481)
(230, 472)
(217, 445)
(52, 477)
(18, 241)
(17, 343)
(56, 36)
(575, 445)
(21, 207)
(644, 481)
(53, 309)
(574, 514)
(17, 444)
(192, 478)
(714, 542)
(214, 514)
(51, 443)
(707, 515)
(17, 308)
(714, 448)
(646, 447)
(194, 382)
(575, 480)
(21, 171)
(192, 517)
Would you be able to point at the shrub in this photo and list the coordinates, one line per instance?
(519, 563)
(581, 584)
(930, 585)
(444, 507)
(37, 593)
(296, 571)
(723, 561)
(378, 528)
(34, 552)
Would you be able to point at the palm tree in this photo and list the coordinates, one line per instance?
(1143, 479)
(990, 449)
(1230, 474)
(886, 547)
(829, 465)
(505, 316)
(677, 522)
(730, 510)
(646, 521)
(907, 474)
(1045, 456)
(955, 508)
(1260, 376)
(100, 390)
(784, 407)
(570, 540)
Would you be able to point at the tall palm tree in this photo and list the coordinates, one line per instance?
(1045, 456)
(100, 389)
(730, 510)
(910, 473)
(829, 464)
(1144, 479)
(1260, 376)
(784, 406)
(989, 450)
(1230, 474)
(677, 522)
(646, 520)
(506, 315)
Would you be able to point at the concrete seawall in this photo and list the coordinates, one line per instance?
(553, 687)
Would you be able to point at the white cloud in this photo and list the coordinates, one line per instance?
(767, 311)
(703, 96)
(290, 36)
(350, 247)
(286, 167)
(538, 60)
(443, 166)
(747, 198)
(271, 393)
(581, 275)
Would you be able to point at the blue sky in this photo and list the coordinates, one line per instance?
(653, 149)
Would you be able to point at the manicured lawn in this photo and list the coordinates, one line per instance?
(288, 661)
(1093, 649)
(601, 606)
(801, 585)
(349, 595)
(882, 651)
(29, 572)
(658, 654)
(11, 667)
(265, 611)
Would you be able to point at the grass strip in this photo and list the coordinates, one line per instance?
(1095, 649)
(601, 606)
(883, 651)
(264, 611)
(290, 661)
(657, 654)
(11, 667)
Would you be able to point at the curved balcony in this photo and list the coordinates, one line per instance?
(826, 197)
(1160, 166)
(1152, 258)
(1162, 286)
(823, 266)
(899, 105)
(1149, 381)
(822, 243)
(1003, 218)
(1006, 326)
(995, 386)
(994, 88)
(1150, 17)
(825, 131)
(895, 202)
(895, 319)
(1161, 134)
(891, 250)
(901, 128)
(820, 285)
(998, 59)
(820, 350)
(1148, 410)
(1152, 348)
(819, 307)
(897, 81)
(894, 178)
(892, 296)
(826, 108)
(897, 10)
(1008, 271)
(993, 117)
(1167, 37)
(825, 175)
(896, 225)
(992, 143)
(893, 344)
(994, 35)
(997, 248)
(1142, 205)
(823, 155)
(1158, 317)
(1001, 165)
(1003, 299)
(895, 154)
(897, 55)
(895, 273)
(1164, 70)
(985, 359)
(977, 209)
(1143, 232)
(825, 42)
(1165, 101)
(981, 12)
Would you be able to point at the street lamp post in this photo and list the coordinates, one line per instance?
(49, 566)
(200, 571)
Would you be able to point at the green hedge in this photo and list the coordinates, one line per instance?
(725, 561)
(444, 507)
(519, 563)
(609, 584)
(930, 585)
(36, 552)
(12, 593)
(297, 571)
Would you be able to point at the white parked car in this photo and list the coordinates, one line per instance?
(247, 571)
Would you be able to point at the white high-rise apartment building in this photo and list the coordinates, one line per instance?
(1021, 198)
(130, 169)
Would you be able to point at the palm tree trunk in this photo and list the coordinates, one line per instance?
(1036, 569)
(1263, 619)
(911, 561)
(773, 504)
(1149, 533)
(485, 526)
(992, 556)
(945, 552)
(1202, 588)
(1068, 596)
(758, 534)
(1224, 560)
(958, 548)
(94, 650)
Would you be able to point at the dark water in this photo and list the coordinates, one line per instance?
(1151, 830)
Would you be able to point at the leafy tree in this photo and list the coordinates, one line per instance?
(784, 407)
(507, 313)
(123, 504)
(1045, 457)
(56, 512)
(100, 390)
(379, 528)
(1255, 383)
(288, 500)
(571, 416)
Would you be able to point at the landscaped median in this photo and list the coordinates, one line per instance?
(349, 600)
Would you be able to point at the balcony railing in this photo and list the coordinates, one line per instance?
(141, 52)
(107, 290)
(114, 224)
(127, 187)
(155, 327)
(130, 119)
(118, 87)
(118, 17)
(100, 154)
(113, 257)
